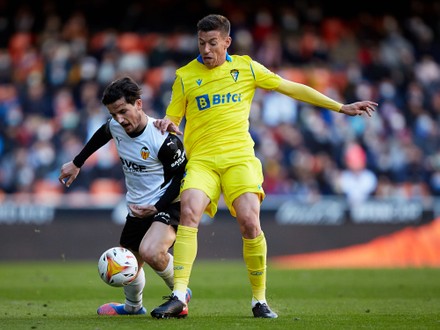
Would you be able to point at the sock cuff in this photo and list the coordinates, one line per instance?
(168, 268)
(256, 240)
(182, 228)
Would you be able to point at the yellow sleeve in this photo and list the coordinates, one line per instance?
(177, 107)
(307, 94)
(264, 78)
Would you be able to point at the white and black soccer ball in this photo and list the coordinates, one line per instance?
(117, 266)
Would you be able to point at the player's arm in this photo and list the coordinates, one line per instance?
(70, 170)
(173, 157)
(307, 94)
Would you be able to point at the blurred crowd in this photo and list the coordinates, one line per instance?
(56, 58)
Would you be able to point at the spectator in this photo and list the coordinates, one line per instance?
(356, 182)
(47, 54)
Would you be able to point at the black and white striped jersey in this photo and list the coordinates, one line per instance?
(153, 163)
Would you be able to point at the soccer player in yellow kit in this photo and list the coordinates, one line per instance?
(214, 93)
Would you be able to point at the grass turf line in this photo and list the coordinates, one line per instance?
(65, 295)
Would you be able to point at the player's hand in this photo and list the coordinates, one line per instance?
(142, 211)
(69, 172)
(359, 108)
(165, 125)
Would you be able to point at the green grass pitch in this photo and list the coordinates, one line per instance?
(65, 295)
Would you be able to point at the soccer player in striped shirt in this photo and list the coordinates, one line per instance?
(153, 166)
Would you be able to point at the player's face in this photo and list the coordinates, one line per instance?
(130, 116)
(213, 47)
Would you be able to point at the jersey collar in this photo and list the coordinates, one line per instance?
(228, 58)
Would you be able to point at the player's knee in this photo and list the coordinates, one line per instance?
(249, 226)
(189, 216)
(250, 232)
(152, 256)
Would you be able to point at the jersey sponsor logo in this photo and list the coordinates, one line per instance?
(206, 101)
(145, 153)
(180, 158)
(133, 167)
(199, 82)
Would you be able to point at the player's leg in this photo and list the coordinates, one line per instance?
(200, 192)
(131, 237)
(185, 251)
(154, 248)
(133, 296)
(198, 182)
(134, 291)
(194, 203)
(243, 195)
(247, 207)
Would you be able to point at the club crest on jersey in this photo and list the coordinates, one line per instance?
(234, 73)
(145, 153)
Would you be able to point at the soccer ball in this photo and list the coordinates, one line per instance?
(117, 266)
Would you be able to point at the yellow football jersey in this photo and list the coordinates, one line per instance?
(216, 103)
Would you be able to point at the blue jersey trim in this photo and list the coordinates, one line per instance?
(228, 58)
(252, 70)
(182, 85)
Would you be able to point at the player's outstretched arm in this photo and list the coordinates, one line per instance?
(69, 172)
(310, 95)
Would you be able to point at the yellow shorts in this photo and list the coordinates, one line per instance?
(230, 174)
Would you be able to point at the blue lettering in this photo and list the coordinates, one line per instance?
(204, 101)
(216, 99)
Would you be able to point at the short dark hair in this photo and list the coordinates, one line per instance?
(124, 87)
(214, 22)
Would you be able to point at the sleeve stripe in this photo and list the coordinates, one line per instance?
(252, 70)
(183, 86)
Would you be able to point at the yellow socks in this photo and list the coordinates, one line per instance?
(254, 254)
(185, 252)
